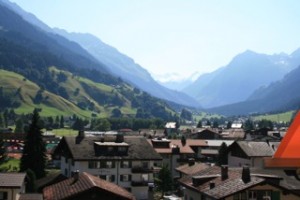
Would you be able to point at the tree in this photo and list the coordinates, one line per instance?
(2, 151)
(34, 152)
(62, 122)
(199, 125)
(19, 126)
(186, 114)
(116, 113)
(222, 158)
(215, 124)
(164, 180)
(229, 123)
(264, 123)
(31, 178)
(248, 126)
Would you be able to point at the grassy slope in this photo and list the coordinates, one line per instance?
(280, 117)
(52, 104)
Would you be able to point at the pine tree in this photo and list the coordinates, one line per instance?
(34, 152)
(164, 180)
(222, 158)
(61, 122)
(19, 126)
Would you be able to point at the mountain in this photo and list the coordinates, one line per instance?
(60, 76)
(235, 82)
(123, 66)
(282, 95)
(108, 59)
(175, 81)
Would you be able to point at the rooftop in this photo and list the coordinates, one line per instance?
(138, 148)
(71, 187)
(12, 179)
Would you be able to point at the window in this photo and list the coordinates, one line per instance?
(3, 195)
(125, 164)
(110, 164)
(122, 149)
(125, 177)
(110, 178)
(145, 165)
(145, 177)
(94, 164)
(110, 149)
(252, 195)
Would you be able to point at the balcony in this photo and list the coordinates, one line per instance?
(140, 170)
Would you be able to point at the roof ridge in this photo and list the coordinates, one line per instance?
(90, 178)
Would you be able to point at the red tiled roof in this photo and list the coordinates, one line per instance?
(70, 187)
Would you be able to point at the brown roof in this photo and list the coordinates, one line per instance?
(222, 188)
(234, 183)
(192, 169)
(138, 149)
(71, 187)
(184, 149)
(12, 179)
(257, 149)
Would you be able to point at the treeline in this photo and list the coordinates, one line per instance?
(106, 124)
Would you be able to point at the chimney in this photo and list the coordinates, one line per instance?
(224, 172)
(75, 176)
(191, 161)
(211, 185)
(79, 137)
(246, 174)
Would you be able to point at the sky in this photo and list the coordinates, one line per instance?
(176, 38)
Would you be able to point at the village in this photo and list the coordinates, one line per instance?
(202, 163)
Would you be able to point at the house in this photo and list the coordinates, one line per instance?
(207, 134)
(175, 152)
(12, 187)
(250, 153)
(125, 161)
(211, 151)
(236, 183)
(85, 186)
(170, 129)
(191, 168)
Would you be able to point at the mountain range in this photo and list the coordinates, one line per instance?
(50, 57)
(60, 70)
(237, 81)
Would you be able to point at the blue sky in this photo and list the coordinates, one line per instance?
(178, 36)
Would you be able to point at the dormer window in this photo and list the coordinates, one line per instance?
(111, 148)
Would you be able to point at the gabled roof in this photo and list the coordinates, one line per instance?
(72, 187)
(222, 188)
(192, 169)
(257, 149)
(139, 148)
(184, 149)
(14, 180)
(235, 184)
